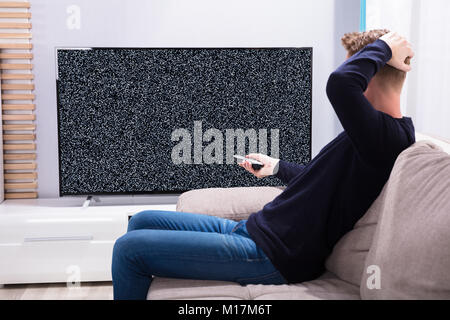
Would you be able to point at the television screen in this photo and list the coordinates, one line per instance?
(167, 120)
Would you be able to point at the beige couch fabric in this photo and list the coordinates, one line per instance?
(229, 203)
(326, 287)
(411, 245)
(348, 258)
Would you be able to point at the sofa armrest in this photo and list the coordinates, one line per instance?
(439, 141)
(229, 203)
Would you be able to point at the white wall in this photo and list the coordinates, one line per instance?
(426, 25)
(186, 23)
(380, 18)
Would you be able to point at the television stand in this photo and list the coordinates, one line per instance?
(55, 240)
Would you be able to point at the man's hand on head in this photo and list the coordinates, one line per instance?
(401, 51)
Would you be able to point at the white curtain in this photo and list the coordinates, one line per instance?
(426, 23)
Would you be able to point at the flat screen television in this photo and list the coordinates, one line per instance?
(167, 120)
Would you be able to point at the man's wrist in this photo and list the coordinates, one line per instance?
(387, 49)
(276, 167)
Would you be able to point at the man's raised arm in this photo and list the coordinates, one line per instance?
(346, 86)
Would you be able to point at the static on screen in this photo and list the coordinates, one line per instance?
(158, 120)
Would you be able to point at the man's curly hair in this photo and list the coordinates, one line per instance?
(353, 42)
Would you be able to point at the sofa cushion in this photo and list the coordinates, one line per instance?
(229, 203)
(189, 289)
(411, 244)
(348, 257)
(326, 287)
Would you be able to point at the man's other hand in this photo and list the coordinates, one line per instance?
(401, 49)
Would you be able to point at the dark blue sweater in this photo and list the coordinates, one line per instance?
(324, 199)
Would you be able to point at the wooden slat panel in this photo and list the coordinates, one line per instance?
(19, 127)
(17, 76)
(15, 4)
(16, 66)
(16, 56)
(17, 46)
(15, 25)
(19, 146)
(15, 35)
(19, 156)
(20, 176)
(19, 137)
(17, 86)
(19, 117)
(18, 97)
(20, 185)
(20, 195)
(19, 166)
(26, 107)
(16, 15)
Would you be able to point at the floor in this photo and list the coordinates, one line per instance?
(57, 291)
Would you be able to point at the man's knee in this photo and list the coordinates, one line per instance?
(121, 247)
(126, 246)
(127, 255)
(142, 220)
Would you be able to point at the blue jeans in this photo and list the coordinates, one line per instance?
(186, 245)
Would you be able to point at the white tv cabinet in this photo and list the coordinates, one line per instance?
(59, 240)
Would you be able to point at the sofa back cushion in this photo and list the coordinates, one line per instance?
(348, 259)
(409, 257)
(349, 255)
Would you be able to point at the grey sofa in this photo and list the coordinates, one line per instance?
(400, 249)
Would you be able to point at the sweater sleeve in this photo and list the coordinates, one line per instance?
(288, 170)
(365, 126)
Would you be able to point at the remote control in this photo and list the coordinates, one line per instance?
(256, 165)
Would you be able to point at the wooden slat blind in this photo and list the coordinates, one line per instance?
(17, 46)
(16, 66)
(27, 56)
(20, 156)
(17, 86)
(19, 137)
(21, 176)
(27, 96)
(21, 195)
(10, 35)
(15, 4)
(15, 15)
(12, 25)
(16, 76)
(19, 106)
(21, 146)
(14, 137)
(19, 127)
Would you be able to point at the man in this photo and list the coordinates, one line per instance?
(325, 198)
(289, 240)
